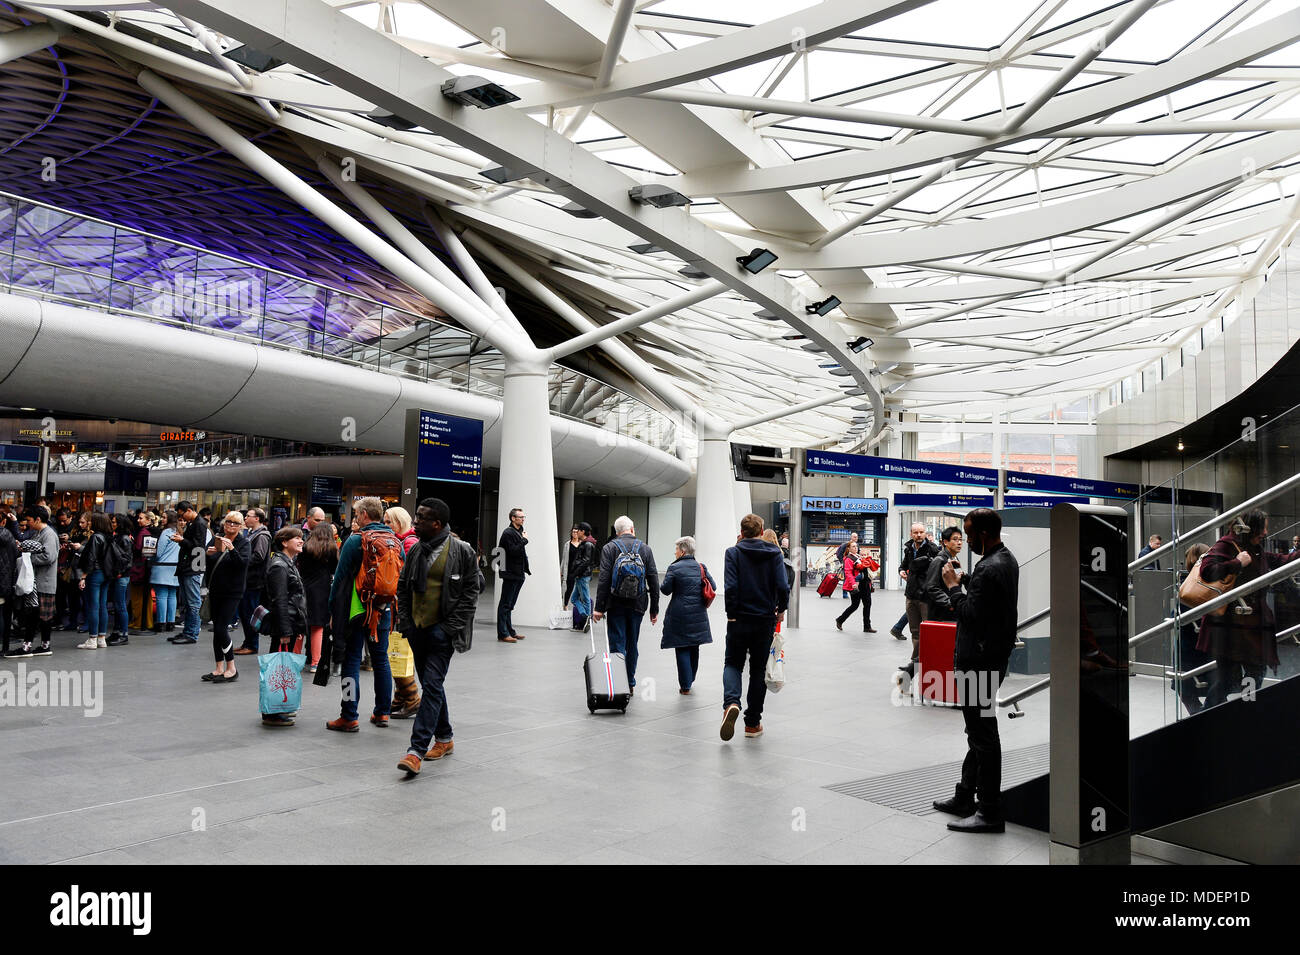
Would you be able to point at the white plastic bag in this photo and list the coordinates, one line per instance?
(775, 673)
(26, 576)
(560, 619)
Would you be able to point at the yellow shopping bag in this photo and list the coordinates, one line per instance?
(400, 657)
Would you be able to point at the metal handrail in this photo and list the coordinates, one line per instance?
(1172, 674)
(1261, 498)
(1178, 620)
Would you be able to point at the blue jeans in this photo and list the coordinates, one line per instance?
(433, 650)
(96, 604)
(582, 595)
(191, 586)
(688, 664)
(122, 615)
(358, 635)
(247, 604)
(506, 605)
(166, 603)
(747, 638)
(624, 627)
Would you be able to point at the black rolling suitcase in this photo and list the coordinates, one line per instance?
(606, 676)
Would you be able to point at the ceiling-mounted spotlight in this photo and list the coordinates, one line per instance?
(824, 307)
(896, 386)
(386, 118)
(812, 346)
(254, 59)
(644, 248)
(693, 272)
(766, 315)
(884, 369)
(477, 91)
(757, 260)
(860, 344)
(865, 406)
(504, 174)
(839, 372)
(579, 212)
(661, 197)
(795, 337)
(852, 391)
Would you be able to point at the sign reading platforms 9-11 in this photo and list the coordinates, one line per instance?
(450, 448)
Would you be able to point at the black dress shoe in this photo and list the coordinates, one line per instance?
(117, 640)
(978, 823)
(956, 806)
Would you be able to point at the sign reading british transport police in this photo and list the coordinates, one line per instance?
(846, 505)
(1054, 484)
(897, 469)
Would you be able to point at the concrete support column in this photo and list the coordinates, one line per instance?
(740, 493)
(528, 481)
(715, 501)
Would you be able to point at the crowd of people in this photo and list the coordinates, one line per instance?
(337, 600)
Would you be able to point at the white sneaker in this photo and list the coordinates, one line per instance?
(101, 643)
(90, 644)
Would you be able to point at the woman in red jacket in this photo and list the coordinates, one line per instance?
(1243, 640)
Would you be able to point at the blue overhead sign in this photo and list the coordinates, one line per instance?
(846, 505)
(1040, 500)
(897, 469)
(451, 448)
(965, 501)
(20, 453)
(1054, 484)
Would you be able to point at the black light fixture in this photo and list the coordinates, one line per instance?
(255, 59)
(859, 344)
(824, 307)
(757, 260)
(693, 272)
(504, 174)
(386, 118)
(477, 91)
(796, 337)
(645, 248)
(578, 212)
(661, 197)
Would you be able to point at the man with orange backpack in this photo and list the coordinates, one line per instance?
(370, 563)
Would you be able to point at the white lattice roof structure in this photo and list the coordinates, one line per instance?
(1015, 202)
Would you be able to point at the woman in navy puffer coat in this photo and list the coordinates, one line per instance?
(686, 621)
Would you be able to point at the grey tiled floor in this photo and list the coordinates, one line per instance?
(180, 771)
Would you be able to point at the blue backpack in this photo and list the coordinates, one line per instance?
(628, 577)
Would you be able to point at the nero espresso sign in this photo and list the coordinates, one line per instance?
(847, 505)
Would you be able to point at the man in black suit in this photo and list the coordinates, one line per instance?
(512, 569)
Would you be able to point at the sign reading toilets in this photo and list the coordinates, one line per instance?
(450, 448)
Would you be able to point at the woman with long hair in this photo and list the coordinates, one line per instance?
(286, 620)
(316, 565)
(92, 562)
(124, 528)
(162, 573)
(227, 565)
(406, 691)
(1243, 640)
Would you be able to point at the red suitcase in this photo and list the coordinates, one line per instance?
(936, 682)
(828, 585)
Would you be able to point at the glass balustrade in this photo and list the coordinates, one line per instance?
(61, 256)
(1252, 643)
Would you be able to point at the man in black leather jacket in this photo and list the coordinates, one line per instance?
(437, 594)
(986, 635)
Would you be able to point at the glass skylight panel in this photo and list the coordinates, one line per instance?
(956, 23)
(744, 12)
(1148, 150)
